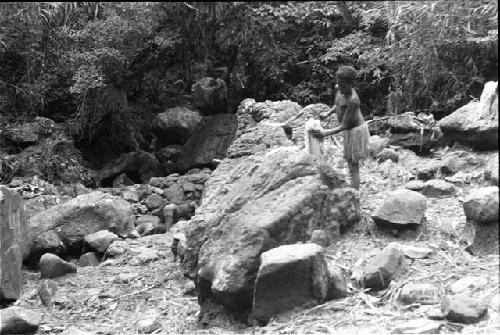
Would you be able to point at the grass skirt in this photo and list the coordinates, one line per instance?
(356, 143)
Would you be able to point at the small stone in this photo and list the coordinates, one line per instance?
(149, 224)
(122, 180)
(415, 185)
(18, 320)
(46, 292)
(154, 201)
(426, 294)
(464, 308)
(320, 237)
(52, 266)
(125, 278)
(413, 252)
(383, 268)
(438, 188)
(337, 284)
(470, 284)
(428, 171)
(143, 255)
(150, 323)
(377, 144)
(401, 208)
(117, 248)
(387, 154)
(16, 182)
(130, 196)
(174, 194)
(188, 186)
(101, 240)
(481, 205)
(88, 259)
(418, 326)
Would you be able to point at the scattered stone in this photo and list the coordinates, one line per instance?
(481, 205)
(154, 201)
(289, 276)
(383, 268)
(426, 294)
(174, 194)
(143, 255)
(427, 171)
(320, 237)
(413, 252)
(337, 284)
(79, 217)
(149, 224)
(125, 278)
(101, 240)
(377, 144)
(88, 259)
(415, 185)
(19, 320)
(16, 182)
(387, 154)
(458, 161)
(401, 208)
(438, 188)
(14, 243)
(46, 292)
(464, 308)
(418, 326)
(51, 266)
(117, 248)
(470, 284)
(149, 323)
(130, 196)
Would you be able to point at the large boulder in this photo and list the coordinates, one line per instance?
(259, 139)
(285, 114)
(70, 222)
(28, 133)
(476, 123)
(210, 96)
(414, 132)
(175, 125)
(251, 205)
(211, 139)
(140, 166)
(289, 276)
(14, 239)
(401, 208)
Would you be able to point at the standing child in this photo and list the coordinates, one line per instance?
(356, 133)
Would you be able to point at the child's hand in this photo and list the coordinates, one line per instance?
(317, 133)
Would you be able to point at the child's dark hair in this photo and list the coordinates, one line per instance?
(346, 74)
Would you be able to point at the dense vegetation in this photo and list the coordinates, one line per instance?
(104, 68)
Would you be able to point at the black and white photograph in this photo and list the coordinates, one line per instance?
(254, 168)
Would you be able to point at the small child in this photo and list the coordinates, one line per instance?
(356, 133)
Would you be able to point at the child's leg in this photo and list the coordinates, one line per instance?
(354, 170)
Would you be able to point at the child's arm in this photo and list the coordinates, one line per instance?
(345, 124)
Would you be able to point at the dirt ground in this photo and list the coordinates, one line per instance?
(94, 300)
